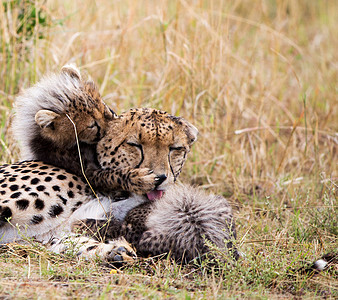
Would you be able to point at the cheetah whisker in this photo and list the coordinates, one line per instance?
(82, 168)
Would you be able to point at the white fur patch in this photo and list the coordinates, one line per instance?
(320, 264)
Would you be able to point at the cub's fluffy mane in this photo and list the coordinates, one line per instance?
(43, 95)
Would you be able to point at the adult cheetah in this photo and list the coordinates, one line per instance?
(43, 201)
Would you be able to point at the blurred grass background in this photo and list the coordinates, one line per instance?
(258, 79)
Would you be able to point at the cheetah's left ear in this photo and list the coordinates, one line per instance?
(45, 118)
(191, 131)
(72, 71)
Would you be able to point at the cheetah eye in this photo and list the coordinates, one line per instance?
(93, 125)
(176, 148)
(134, 145)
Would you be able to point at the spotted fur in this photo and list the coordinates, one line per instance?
(143, 150)
(42, 201)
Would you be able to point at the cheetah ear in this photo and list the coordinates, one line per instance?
(72, 71)
(109, 113)
(192, 132)
(45, 118)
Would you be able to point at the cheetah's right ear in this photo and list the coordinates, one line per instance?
(45, 118)
(72, 71)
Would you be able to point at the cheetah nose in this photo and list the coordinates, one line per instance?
(160, 178)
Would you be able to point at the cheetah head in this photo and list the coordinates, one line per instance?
(81, 103)
(148, 138)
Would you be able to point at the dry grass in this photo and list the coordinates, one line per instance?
(259, 80)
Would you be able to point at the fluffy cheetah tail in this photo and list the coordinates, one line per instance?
(187, 221)
(52, 92)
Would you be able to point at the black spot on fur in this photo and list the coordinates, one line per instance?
(35, 181)
(6, 213)
(33, 194)
(56, 188)
(61, 177)
(55, 210)
(25, 177)
(91, 248)
(48, 179)
(22, 204)
(36, 219)
(14, 187)
(41, 188)
(64, 200)
(16, 195)
(12, 179)
(70, 194)
(39, 204)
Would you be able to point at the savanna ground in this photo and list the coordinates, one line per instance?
(259, 80)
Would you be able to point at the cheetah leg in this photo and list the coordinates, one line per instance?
(101, 230)
(139, 181)
(117, 250)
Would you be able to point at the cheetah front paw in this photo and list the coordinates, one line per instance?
(118, 251)
(141, 181)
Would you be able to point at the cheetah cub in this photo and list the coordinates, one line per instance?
(180, 223)
(43, 129)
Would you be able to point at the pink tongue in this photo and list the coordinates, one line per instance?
(154, 195)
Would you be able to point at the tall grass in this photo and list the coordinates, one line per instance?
(259, 80)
